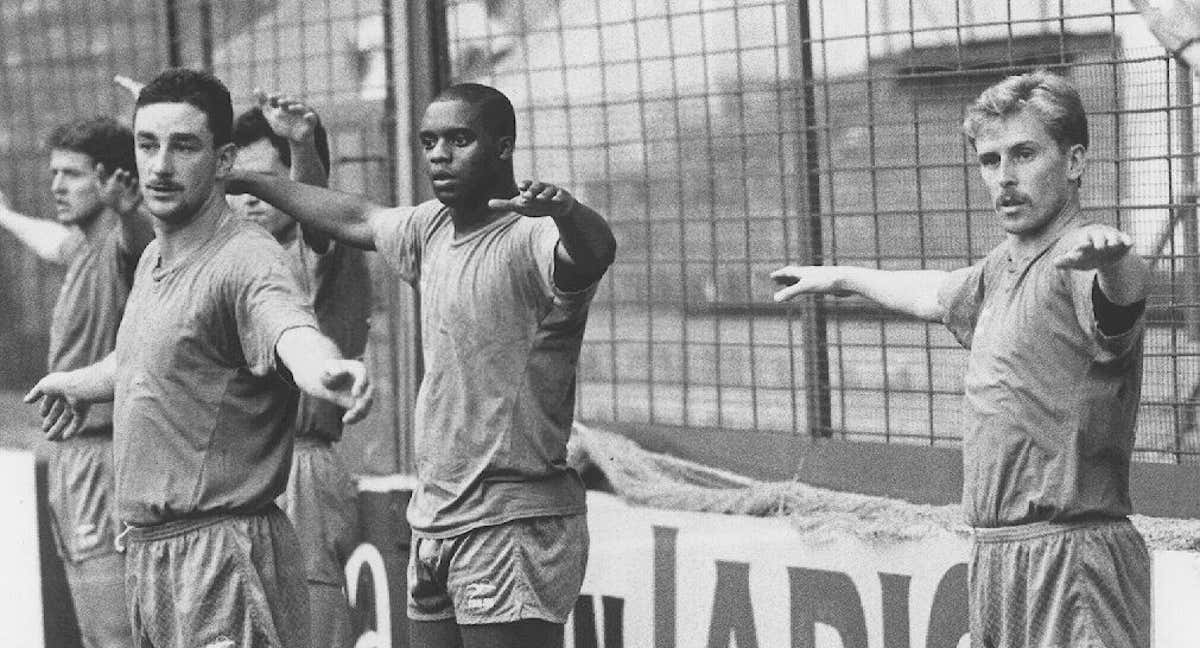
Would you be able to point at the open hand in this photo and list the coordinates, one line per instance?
(347, 384)
(120, 190)
(536, 199)
(1095, 246)
(801, 280)
(289, 117)
(62, 415)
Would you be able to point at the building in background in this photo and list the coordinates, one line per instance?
(721, 138)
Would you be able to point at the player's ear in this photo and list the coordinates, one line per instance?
(506, 144)
(226, 156)
(1076, 162)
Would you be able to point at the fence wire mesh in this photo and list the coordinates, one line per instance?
(725, 138)
(57, 62)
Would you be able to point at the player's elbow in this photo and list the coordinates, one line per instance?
(929, 309)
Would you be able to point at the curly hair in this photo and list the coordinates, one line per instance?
(104, 139)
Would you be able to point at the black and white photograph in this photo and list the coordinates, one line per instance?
(600, 323)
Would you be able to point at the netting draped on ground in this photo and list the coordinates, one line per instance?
(653, 479)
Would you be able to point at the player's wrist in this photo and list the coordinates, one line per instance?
(567, 211)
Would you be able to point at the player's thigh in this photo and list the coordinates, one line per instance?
(330, 614)
(98, 593)
(441, 633)
(526, 633)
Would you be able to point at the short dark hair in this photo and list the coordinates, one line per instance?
(496, 111)
(1051, 97)
(104, 139)
(252, 126)
(196, 88)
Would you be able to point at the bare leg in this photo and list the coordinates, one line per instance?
(434, 634)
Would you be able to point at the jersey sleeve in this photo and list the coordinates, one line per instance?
(961, 297)
(1103, 347)
(269, 302)
(71, 246)
(401, 240)
(543, 250)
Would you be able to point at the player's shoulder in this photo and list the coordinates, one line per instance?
(243, 246)
(429, 214)
(429, 208)
(403, 221)
(239, 234)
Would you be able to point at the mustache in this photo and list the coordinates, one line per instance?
(1009, 198)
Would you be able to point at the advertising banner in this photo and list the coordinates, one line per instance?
(20, 557)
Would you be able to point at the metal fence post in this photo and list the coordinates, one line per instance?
(416, 69)
(814, 319)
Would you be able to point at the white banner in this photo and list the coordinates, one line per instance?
(669, 579)
(20, 559)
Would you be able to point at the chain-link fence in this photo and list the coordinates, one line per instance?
(724, 138)
(57, 63)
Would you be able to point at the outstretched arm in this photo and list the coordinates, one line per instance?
(586, 243)
(44, 237)
(351, 219)
(1122, 274)
(319, 370)
(912, 292)
(65, 396)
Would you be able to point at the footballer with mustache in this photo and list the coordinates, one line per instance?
(1053, 320)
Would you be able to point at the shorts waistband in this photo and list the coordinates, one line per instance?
(176, 528)
(313, 442)
(1043, 529)
(99, 431)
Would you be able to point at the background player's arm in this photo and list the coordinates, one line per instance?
(318, 369)
(913, 292)
(296, 122)
(1121, 273)
(121, 193)
(65, 395)
(354, 220)
(45, 238)
(586, 242)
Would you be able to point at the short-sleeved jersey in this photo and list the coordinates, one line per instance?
(1050, 400)
(338, 286)
(501, 345)
(91, 301)
(202, 420)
